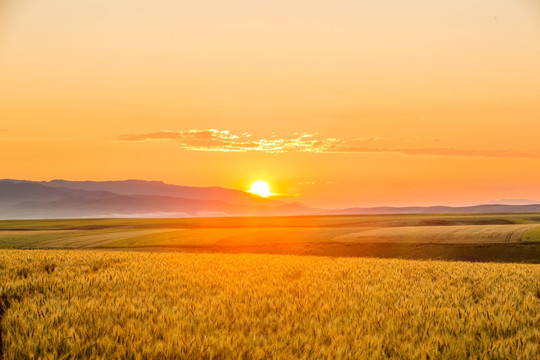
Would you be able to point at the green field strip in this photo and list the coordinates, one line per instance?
(92, 240)
(67, 238)
(29, 239)
(177, 237)
(532, 235)
(467, 234)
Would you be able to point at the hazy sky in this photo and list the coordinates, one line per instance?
(336, 103)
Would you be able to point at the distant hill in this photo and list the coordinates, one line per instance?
(159, 188)
(514, 202)
(477, 209)
(20, 199)
(66, 199)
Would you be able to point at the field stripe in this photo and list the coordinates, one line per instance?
(468, 234)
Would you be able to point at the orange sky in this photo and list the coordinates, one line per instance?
(335, 103)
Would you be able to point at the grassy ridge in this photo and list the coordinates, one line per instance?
(101, 304)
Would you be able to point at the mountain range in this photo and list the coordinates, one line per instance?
(21, 199)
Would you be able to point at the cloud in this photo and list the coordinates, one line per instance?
(225, 141)
(461, 152)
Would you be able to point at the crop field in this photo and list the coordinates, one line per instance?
(470, 237)
(112, 304)
(219, 288)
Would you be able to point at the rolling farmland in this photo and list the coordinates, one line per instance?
(166, 288)
(498, 237)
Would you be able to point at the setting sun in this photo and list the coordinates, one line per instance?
(260, 188)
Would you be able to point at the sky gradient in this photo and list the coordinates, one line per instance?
(334, 103)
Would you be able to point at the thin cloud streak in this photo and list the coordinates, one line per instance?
(224, 141)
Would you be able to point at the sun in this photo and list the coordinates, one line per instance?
(260, 188)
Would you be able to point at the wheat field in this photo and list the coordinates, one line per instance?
(60, 304)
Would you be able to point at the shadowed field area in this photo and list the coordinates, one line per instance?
(490, 237)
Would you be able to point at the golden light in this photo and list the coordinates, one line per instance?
(260, 188)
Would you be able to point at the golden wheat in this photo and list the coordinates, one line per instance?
(97, 304)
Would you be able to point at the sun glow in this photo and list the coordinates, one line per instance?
(260, 188)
